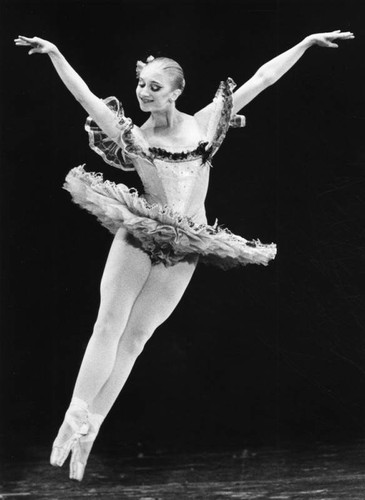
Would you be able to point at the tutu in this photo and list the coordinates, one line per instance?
(169, 230)
(165, 235)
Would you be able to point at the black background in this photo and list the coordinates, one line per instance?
(256, 355)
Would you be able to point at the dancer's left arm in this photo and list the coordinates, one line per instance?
(270, 72)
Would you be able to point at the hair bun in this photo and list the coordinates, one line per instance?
(150, 59)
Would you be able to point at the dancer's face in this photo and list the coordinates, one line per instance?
(154, 90)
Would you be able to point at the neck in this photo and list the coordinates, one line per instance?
(166, 118)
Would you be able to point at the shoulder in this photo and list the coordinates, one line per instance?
(192, 126)
(193, 122)
(220, 105)
(203, 116)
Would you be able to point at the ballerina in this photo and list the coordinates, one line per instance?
(159, 236)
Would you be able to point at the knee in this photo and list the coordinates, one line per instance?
(136, 339)
(107, 329)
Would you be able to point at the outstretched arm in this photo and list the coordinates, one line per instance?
(94, 106)
(270, 72)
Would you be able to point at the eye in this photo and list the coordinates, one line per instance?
(141, 84)
(155, 88)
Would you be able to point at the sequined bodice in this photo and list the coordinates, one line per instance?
(181, 185)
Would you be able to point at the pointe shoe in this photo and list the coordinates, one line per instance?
(81, 450)
(75, 425)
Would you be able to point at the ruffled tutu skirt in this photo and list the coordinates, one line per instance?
(166, 236)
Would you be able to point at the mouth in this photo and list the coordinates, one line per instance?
(146, 101)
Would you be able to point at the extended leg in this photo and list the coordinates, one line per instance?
(125, 274)
(126, 271)
(159, 297)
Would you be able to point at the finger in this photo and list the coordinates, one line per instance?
(344, 37)
(26, 38)
(29, 41)
(30, 44)
(21, 42)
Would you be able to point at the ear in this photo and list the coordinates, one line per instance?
(175, 94)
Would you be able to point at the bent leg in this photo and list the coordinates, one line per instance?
(157, 300)
(126, 271)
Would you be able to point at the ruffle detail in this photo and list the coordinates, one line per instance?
(179, 156)
(111, 152)
(221, 117)
(167, 236)
(133, 144)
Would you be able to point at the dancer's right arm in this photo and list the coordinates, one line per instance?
(94, 106)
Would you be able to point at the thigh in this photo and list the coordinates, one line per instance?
(159, 296)
(126, 271)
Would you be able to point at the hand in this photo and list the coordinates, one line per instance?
(39, 46)
(326, 39)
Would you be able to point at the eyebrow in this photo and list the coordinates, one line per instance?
(152, 81)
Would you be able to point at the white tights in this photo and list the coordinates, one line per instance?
(136, 298)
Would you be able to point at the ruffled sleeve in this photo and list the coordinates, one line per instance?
(113, 153)
(221, 118)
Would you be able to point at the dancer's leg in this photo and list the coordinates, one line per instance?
(158, 298)
(126, 271)
(125, 274)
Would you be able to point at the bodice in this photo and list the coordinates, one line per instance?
(180, 179)
(181, 185)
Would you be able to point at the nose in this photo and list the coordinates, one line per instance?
(143, 93)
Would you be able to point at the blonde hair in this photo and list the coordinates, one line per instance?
(173, 68)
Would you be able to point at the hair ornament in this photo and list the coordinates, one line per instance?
(140, 64)
(139, 67)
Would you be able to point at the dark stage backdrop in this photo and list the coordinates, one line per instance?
(255, 355)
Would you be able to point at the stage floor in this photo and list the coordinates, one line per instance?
(322, 472)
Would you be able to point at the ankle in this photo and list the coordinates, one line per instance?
(96, 420)
(78, 413)
(78, 404)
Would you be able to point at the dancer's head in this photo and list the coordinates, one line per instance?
(160, 82)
